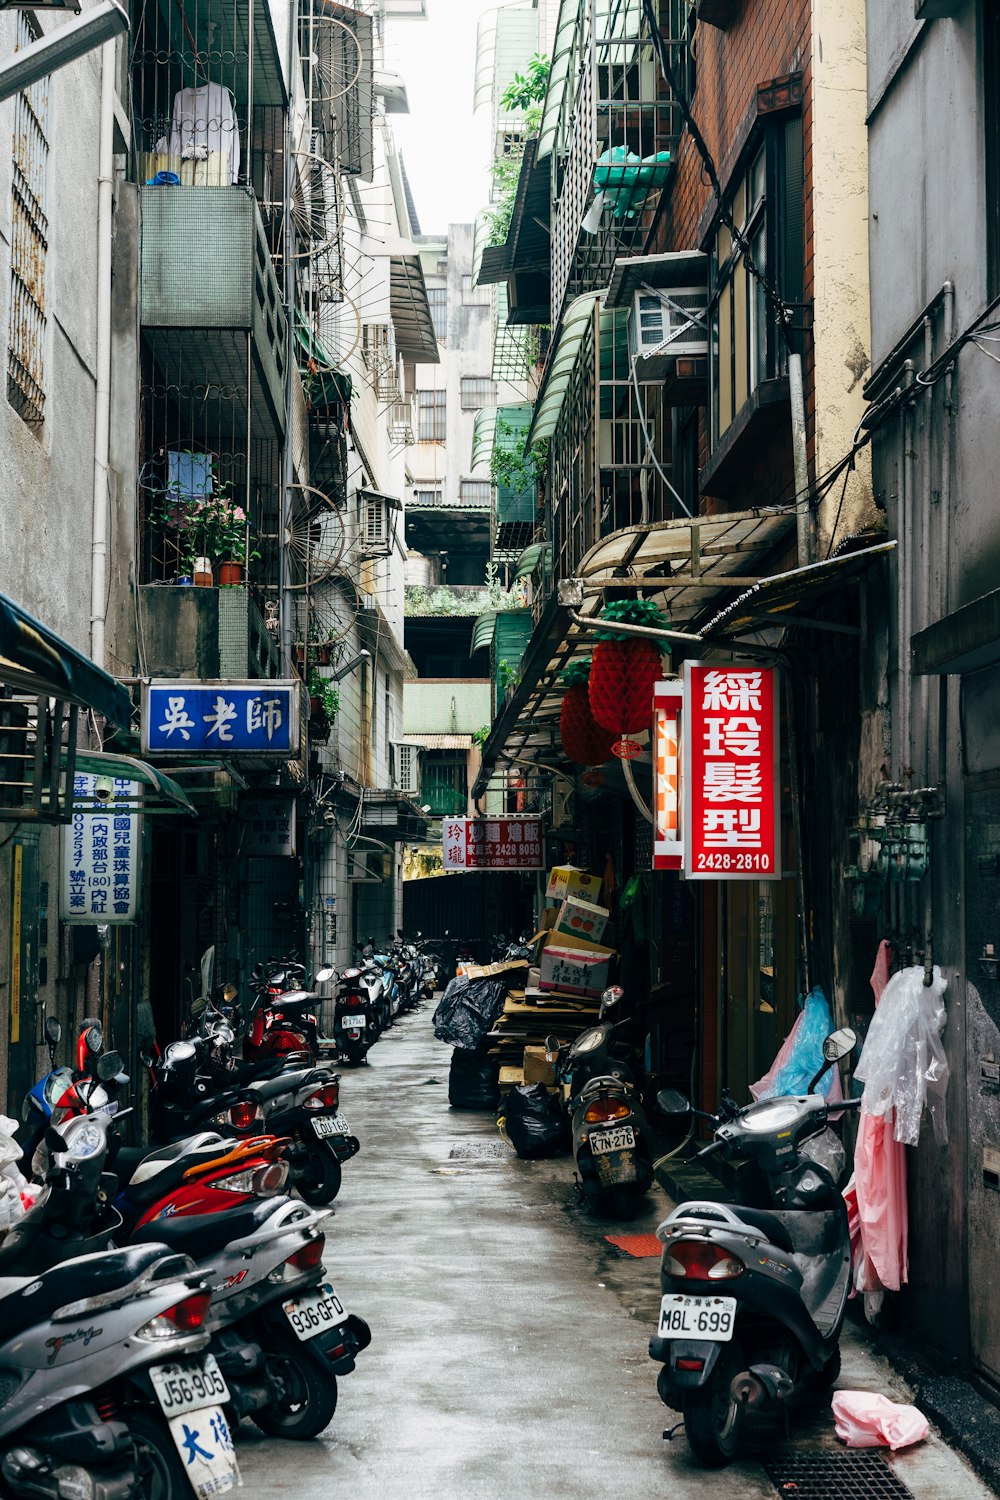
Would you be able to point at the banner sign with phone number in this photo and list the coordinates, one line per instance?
(493, 844)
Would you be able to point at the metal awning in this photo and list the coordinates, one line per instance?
(439, 741)
(483, 632)
(559, 369)
(484, 434)
(780, 599)
(529, 559)
(34, 659)
(160, 793)
(687, 566)
(674, 269)
(563, 51)
(410, 311)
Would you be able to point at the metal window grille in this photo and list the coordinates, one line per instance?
(407, 769)
(478, 391)
(431, 417)
(29, 244)
(437, 299)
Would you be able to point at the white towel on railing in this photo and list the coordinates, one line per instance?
(203, 121)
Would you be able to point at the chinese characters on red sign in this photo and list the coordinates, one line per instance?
(493, 844)
(731, 819)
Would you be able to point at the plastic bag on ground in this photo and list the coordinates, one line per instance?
(801, 1055)
(473, 1081)
(532, 1121)
(903, 1064)
(468, 1009)
(866, 1420)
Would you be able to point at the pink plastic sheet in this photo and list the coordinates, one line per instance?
(864, 1419)
(878, 1193)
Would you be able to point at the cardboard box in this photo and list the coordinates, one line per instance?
(567, 880)
(574, 967)
(550, 917)
(583, 919)
(537, 1068)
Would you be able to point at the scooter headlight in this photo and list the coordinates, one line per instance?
(84, 1137)
(773, 1115)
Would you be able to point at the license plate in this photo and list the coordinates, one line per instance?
(205, 1445)
(711, 1319)
(188, 1386)
(315, 1312)
(353, 1023)
(622, 1138)
(331, 1125)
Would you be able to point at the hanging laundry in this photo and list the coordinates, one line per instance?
(205, 136)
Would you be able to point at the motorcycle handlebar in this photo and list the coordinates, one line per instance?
(712, 1149)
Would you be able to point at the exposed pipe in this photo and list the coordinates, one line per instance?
(946, 464)
(906, 579)
(805, 946)
(800, 461)
(634, 791)
(644, 632)
(102, 400)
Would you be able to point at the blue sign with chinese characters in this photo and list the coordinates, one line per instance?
(223, 718)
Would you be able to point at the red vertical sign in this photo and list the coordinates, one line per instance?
(732, 825)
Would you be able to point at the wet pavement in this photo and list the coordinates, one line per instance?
(508, 1355)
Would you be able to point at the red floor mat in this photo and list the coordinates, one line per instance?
(639, 1245)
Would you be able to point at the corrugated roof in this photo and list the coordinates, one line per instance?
(439, 741)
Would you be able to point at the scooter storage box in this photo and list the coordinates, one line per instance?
(576, 918)
(567, 880)
(573, 966)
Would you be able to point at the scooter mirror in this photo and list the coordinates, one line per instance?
(108, 1064)
(324, 975)
(54, 1140)
(673, 1102)
(147, 1056)
(94, 1037)
(229, 993)
(552, 1044)
(840, 1044)
(53, 1031)
(612, 996)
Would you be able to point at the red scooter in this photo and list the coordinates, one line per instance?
(283, 1020)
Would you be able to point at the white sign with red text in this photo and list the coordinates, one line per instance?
(732, 806)
(493, 844)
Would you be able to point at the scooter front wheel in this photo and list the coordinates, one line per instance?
(713, 1419)
(308, 1397)
(321, 1179)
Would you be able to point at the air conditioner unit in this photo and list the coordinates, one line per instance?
(378, 348)
(374, 524)
(407, 769)
(670, 324)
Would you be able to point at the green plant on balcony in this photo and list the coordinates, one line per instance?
(481, 735)
(525, 92)
(509, 676)
(513, 465)
(324, 698)
(209, 526)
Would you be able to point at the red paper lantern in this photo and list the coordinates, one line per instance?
(583, 741)
(623, 675)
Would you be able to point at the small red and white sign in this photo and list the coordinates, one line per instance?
(493, 844)
(731, 812)
(668, 847)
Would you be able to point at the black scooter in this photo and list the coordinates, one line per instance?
(754, 1294)
(610, 1133)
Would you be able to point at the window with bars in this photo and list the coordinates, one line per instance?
(476, 491)
(437, 298)
(427, 495)
(478, 391)
(26, 332)
(476, 296)
(431, 417)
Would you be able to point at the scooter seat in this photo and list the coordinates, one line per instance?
(285, 1083)
(162, 1169)
(769, 1225)
(86, 1276)
(200, 1235)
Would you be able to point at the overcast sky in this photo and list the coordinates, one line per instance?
(445, 147)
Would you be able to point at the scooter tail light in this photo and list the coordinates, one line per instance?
(328, 1097)
(270, 1179)
(245, 1114)
(604, 1110)
(184, 1317)
(310, 1257)
(698, 1260)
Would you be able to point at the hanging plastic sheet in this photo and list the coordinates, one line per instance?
(801, 1055)
(903, 1064)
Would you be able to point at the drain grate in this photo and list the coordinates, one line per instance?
(863, 1475)
(485, 1150)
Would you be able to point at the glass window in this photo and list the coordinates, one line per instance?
(476, 491)
(478, 391)
(427, 496)
(431, 417)
(437, 297)
(476, 296)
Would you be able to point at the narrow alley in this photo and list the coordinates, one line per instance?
(508, 1353)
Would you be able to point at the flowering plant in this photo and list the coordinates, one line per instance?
(203, 525)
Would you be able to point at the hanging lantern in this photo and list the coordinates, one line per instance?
(583, 741)
(626, 669)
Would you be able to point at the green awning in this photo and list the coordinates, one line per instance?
(328, 386)
(529, 559)
(484, 432)
(559, 370)
(35, 659)
(483, 632)
(161, 793)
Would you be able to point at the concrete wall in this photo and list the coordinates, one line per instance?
(446, 705)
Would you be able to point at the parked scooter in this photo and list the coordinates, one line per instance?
(357, 1020)
(754, 1296)
(610, 1133)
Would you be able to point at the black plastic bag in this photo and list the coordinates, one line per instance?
(474, 1081)
(532, 1120)
(468, 1008)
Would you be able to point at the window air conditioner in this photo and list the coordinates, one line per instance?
(668, 326)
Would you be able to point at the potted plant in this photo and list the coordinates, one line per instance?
(324, 698)
(206, 528)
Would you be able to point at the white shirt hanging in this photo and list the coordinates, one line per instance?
(204, 121)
